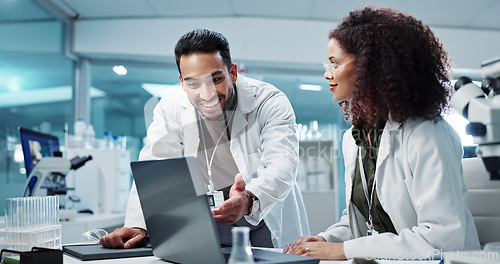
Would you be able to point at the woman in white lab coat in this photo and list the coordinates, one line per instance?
(405, 192)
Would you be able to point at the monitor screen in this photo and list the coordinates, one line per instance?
(35, 146)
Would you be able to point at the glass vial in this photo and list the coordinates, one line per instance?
(241, 253)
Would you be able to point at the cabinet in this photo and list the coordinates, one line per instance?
(317, 165)
(317, 179)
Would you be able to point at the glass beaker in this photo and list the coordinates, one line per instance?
(241, 253)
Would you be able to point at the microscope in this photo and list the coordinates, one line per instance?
(481, 106)
(49, 176)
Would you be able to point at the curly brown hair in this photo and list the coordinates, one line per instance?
(401, 68)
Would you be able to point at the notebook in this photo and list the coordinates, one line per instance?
(178, 218)
(96, 252)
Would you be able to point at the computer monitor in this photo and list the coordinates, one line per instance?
(35, 146)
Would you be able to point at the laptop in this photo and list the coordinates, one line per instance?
(178, 217)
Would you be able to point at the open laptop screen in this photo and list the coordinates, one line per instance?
(35, 146)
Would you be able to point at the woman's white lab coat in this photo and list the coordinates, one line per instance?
(264, 146)
(419, 181)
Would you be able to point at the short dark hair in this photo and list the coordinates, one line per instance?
(204, 41)
(400, 65)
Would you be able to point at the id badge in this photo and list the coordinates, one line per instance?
(370, 230)
(215, 199)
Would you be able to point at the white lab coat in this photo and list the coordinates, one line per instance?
(420, 184)
(264, 146)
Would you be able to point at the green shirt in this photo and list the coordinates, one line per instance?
(381, 221)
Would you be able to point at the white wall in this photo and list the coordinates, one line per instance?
(252, 39)
(274, 40)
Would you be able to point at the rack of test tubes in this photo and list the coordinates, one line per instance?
(31, 222)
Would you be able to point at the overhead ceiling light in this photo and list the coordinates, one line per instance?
(156, 89)
(310, 87)
(120, 70)
(14, 85)
(18, 154)
(43, 95)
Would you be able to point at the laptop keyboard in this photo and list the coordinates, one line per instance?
(227, 255)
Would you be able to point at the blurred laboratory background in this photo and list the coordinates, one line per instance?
(90, 72)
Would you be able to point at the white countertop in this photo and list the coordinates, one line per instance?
(154, 260)
(72, 230)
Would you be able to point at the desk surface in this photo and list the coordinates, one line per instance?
(155, 260)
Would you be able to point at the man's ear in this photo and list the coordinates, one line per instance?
(234, 72)
(182, 82)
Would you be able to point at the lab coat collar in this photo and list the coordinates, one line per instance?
(390, 129)
(183, 100)
(246, 95)
(392, 125)
(246, 104)
(385, 142)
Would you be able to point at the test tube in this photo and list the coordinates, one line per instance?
(31, 215)
(38, 211)
(46, 213)
(19, 209)
(23, 217)
(33, 212)
(8, 214)
(50, 211)
(57, 210)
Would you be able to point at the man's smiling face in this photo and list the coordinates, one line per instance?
(207, 81)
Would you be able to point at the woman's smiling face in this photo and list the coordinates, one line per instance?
(340, 71)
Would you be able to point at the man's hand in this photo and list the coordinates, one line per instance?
(234, 208)
(316, 247)
(124, 237)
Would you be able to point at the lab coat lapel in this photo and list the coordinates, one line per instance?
(246, 104)
(385, 146)
(240, 122)
(385, 143)
(350, 156)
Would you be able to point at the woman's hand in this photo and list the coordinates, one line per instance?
(292, 248)
(316, 247)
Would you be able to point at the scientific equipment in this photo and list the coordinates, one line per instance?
(79, 129)
(32, 222)
(241, 252)
(49, 176)
(46, 168)
(35, 146)
(481, 106)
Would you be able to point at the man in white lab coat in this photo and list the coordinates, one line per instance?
(242, 130)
